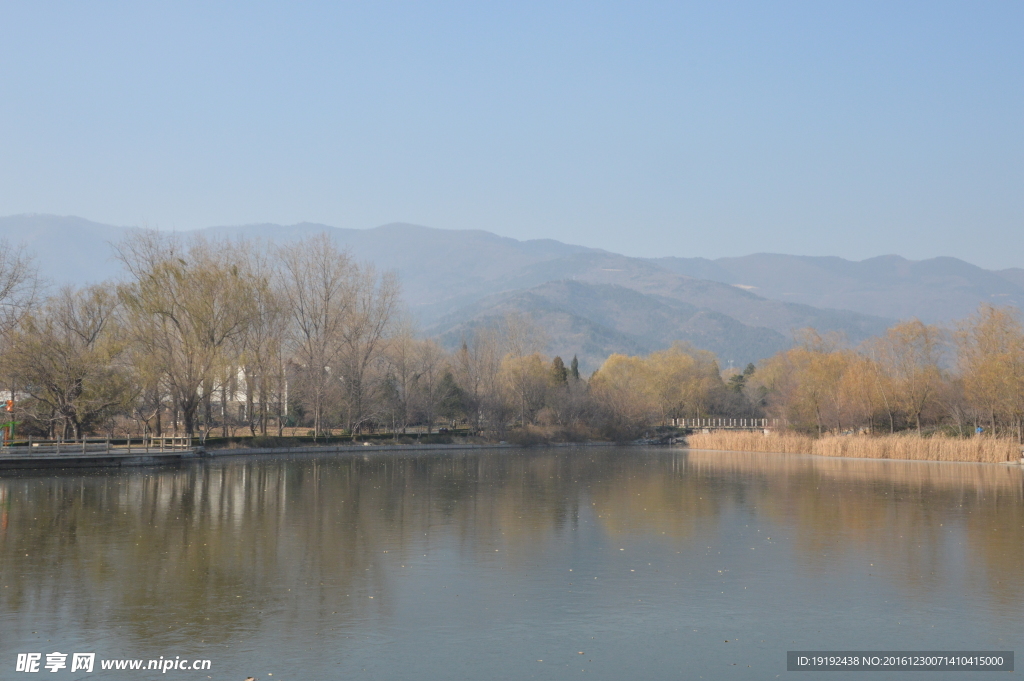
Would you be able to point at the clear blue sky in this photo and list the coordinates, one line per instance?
(712, 129)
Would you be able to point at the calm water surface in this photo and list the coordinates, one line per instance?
(654, 563)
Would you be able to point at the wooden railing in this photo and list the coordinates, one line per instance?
(727, 423)
(97, 446)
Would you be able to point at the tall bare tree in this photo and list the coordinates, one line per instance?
(263, 344)
(477, 365)
(364, 334)
(400, 374)
(430, 363)
(20, 285)
(317, 285)
(188, 305)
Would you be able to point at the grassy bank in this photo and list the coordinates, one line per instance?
(907, 447)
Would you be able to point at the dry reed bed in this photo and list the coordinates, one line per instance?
(905, 447)
(901, 473)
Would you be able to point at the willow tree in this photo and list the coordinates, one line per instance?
(65, 357)
(523, 340)
(991, 354)
(527, 380)
(685, 381)
(807, 383)
(187, 305)
(907, 361)
(625, 389)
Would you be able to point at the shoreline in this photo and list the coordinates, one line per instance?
(133, 459)
(124, 459)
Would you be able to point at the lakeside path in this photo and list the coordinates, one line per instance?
(124, 457)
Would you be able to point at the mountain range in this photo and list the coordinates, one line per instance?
(592, 302)
(935, 290)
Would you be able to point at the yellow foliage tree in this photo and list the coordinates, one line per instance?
(991, 354)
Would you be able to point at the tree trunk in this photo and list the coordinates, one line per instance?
(224, 409)
(280, 405)
(188, 418)
(263, 405)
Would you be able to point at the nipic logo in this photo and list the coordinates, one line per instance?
(28, 662)
(80, 662)
(84, 662)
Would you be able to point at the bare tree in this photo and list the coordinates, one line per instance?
(317, 288)
(477, 364)
(399, 375)
(187, 305)
(430, 364)
(263, 344)
(364, 333)
(907, 357)
(20, 285)
(65, 357)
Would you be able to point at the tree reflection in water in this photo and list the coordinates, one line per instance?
(218, 550)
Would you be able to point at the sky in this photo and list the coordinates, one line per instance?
(690, 129)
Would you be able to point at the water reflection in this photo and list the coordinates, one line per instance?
(323, 546)
(905, 516)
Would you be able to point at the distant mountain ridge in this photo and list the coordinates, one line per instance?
(591, 301)
(935, 290)
(68, 250)
(594, 320)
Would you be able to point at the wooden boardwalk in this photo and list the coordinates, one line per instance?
(98, 453)
(727, 423)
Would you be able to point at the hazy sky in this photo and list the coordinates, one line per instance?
(643, 128)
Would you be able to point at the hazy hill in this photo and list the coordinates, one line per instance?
(440, 269)
(448, 272)
(593, 301)
(746, 307)
(444, 270)
(1014, 275)
(435, 264)
(934, 290)
(68, 250)
(594, 320)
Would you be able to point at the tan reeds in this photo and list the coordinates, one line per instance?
(745, 441)
(905, 447)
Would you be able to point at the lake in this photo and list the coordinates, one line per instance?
(545, 563)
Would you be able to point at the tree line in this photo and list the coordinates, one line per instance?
(205, 336)
(916, 376)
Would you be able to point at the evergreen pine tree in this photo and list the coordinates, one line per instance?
(559, 374)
